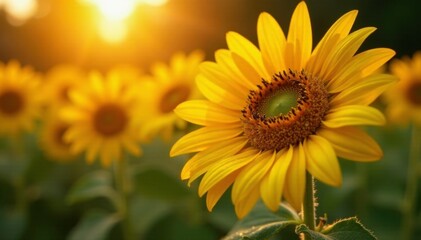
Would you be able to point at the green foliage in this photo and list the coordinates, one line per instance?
(263, 224)
(93, 185)
(95, 225)
(346, 229)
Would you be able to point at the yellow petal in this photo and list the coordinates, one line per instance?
(352, 143)
(225, 62)
(202, 161)
(364, 92)
(271, 42)
(226, 166)
(272, 185)
(216, 192)
(321, 160)
(359, 67)
(202, 138)
(300, 38)
(250, 53)
(251, 175)
(352, 115)
(243, 207)
(246, 69)
(202, 112)
(296, 178)
(339, 30)
(342, 53)
(218, 92)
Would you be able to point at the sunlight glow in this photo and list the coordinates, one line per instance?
(112, 31)
(114, 15)
(153, 2)
(19, 11)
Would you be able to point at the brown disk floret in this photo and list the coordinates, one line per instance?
(291, 128)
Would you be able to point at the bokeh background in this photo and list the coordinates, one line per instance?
(67, 31)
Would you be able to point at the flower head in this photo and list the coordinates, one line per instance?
(274, 112)
(52, 137)
(103, 119)
(20, 98)
(170, 84)
(59, 81)
(404, 100)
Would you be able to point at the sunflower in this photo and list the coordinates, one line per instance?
(52, 138)
(20, 98)
(404, 100)
(102, 119)
(170, 85)
(59, 81)
(274, 113)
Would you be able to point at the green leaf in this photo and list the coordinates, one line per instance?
(159, 183)
(92, 185)
(146, 212)
(261, 223)
(346, 229)
(12, 223)
(95, 225)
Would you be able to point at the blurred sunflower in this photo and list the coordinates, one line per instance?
(273, 114)
(171, 84)
(20, 98)
(102, 119)
(59, 81)
(52, 138)
(404, 100)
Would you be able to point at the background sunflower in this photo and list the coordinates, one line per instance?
(102, 119)
(20, 98)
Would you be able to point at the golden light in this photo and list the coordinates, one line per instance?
(115, 10)
(153, 2)
(19, 11)
(113, 31)
(114, 15)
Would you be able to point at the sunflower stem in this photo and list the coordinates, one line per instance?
(309, 206)
(19, 183)
(410, 197)
(121, 179)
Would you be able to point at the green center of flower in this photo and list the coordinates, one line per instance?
(414, 93)
(11, 102)
(280, 103)
(110, 119)
(172, 97)
(284, 111)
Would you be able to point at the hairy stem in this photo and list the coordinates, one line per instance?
(309, 205)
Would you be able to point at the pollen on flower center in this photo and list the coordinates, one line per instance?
(110, 120)
(11, 102)
(284, 111)
(414, 93)
(174, 96)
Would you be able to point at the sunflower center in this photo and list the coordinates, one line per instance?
(11, 102)
(59, 135)
(64, 93)
(414, 93)
(110, 120)
(285, 111)
(174, 96)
